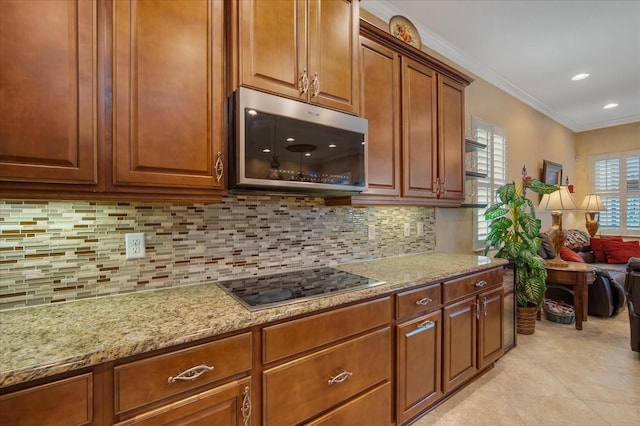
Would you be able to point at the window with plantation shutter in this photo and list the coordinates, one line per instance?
(616, 178)
(494, 161)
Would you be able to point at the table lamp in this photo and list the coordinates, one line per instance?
(556, 202)
(592, 204)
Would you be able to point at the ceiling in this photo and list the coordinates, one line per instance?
(531, 49)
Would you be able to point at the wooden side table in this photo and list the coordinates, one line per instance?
(579, 276)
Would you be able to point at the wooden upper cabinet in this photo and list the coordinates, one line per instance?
(380, 105)
(48, 118)
(168, 93)
(451, 138)
(303, 49)
(419, 127)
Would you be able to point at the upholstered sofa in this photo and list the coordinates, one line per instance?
(609, 256)
(632, 289)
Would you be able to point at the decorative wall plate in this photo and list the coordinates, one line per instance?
(400, 27)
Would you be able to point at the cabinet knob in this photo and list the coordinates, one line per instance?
(191, 374)
(340, 377)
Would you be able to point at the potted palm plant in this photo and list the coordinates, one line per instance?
(513, 232)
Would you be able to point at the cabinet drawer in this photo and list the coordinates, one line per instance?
(470, 284)
(65, 402)
(371, 409)
(304, 385)
(297, 336)
(221, 405)
(141, 382)
(419, 300)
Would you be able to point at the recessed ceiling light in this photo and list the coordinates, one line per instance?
(252, 112)
(266, 150)
(332, 145)
(609, 106)
(307, 154)
(580, 76)
(290, 139)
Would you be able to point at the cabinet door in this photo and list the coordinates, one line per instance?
(333, 53)
(419, 133)
(226, 405)
(48, 118)
(491, 327)
(168, 93)
(42, 405)
(273, 45)
(460, 343)
(451, 138)
(380, 104)
(418, 358)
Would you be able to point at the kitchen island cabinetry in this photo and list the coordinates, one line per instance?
(302, 49)
(415, 108)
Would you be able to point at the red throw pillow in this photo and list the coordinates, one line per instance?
(570, 256)
(621, 251)
(598, 249)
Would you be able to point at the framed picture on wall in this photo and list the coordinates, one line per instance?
(551, 173)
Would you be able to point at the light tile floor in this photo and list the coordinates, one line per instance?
(556, 376)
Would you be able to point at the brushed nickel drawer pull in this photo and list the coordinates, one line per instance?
(340, 377)
(481, 283)
(424, 301)
(477, 309)
(192, 373)
(426, 325)
(485, 306)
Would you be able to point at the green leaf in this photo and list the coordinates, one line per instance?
(541, 188)
(495, 212)
(506, 192)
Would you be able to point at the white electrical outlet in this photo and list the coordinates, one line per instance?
(420, 229)
(407, 229)
(372, 232)
(134, 243)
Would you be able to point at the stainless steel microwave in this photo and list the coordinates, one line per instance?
(279, 143)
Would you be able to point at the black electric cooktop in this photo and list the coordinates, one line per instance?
(267, 291)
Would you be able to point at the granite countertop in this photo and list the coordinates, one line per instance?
(45, 340)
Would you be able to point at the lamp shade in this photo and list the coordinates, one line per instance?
(558, 200)
(592, 203)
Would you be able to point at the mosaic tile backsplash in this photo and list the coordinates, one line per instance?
(55, 251)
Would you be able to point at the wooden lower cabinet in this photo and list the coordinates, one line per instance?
(473, 336)
(226, 405)
(297, 391)
(419, 351)
(41, 405)
(460, 336)
(371, 409)
(329, 368)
